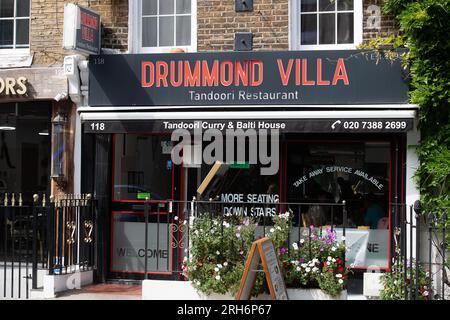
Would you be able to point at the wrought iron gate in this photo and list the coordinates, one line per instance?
(44, 236)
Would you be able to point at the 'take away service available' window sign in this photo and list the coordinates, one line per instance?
(246, 78)
(81, 29)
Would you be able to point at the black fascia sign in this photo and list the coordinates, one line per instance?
(341, 77)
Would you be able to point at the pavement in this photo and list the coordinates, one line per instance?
(104, 291)
(110, 291)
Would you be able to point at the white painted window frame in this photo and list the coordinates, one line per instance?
(135, 30)
(22, 50)
(295, 33)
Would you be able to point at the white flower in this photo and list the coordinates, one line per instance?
(219, 266)
(341, 281)
(334, 260)
(302, 240)
(238, 235)
(304, 265)
(333, 249)
(278, 228)
(217, 277)
(328, 263)
(295, 246)
(315, 269)
(225, 264)
(272, 230)
(216, 269)
(311, 264)
(217, 252)
(425, 293)
(308, 269)
(196, 232)
(315, 260)
(339, 275)
(175, 218)
(197, 282)
(298, 268)
(185, 259)
(329, 258)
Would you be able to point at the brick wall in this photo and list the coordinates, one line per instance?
(46, 32)
(218, 22)
(386, 25)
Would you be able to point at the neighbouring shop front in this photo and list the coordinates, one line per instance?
(31, 151)
(328, 127)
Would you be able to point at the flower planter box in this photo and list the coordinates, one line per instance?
(313, 294)
(306, 294)
(184, 290)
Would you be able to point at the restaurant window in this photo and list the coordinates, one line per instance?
(142, 168)
(356, 172)
(14, 24)
(322, 175)
(242, 190)
(163, 24)
(326, 24)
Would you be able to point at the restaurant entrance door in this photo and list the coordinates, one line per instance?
(144, 180)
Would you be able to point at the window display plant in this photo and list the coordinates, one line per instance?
(219, 248)
(316, 261)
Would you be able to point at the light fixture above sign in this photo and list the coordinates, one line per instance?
(82, 29)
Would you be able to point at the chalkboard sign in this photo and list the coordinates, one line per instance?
(262, 251)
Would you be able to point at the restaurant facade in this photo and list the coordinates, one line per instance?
(261, 109)
(257, 132)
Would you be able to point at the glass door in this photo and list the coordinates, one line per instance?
(142, 233)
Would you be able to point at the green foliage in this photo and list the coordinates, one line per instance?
(220, 246)
(394, 283)
(425, 27)
(316, 261)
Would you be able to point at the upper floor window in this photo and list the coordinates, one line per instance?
(326, 24)
(163, 24)
(14, 24)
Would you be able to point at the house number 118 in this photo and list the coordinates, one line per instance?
(97, 126)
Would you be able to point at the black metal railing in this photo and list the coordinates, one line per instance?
(419, 255)
(45, 235)
(173, 220)
(71, 233)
